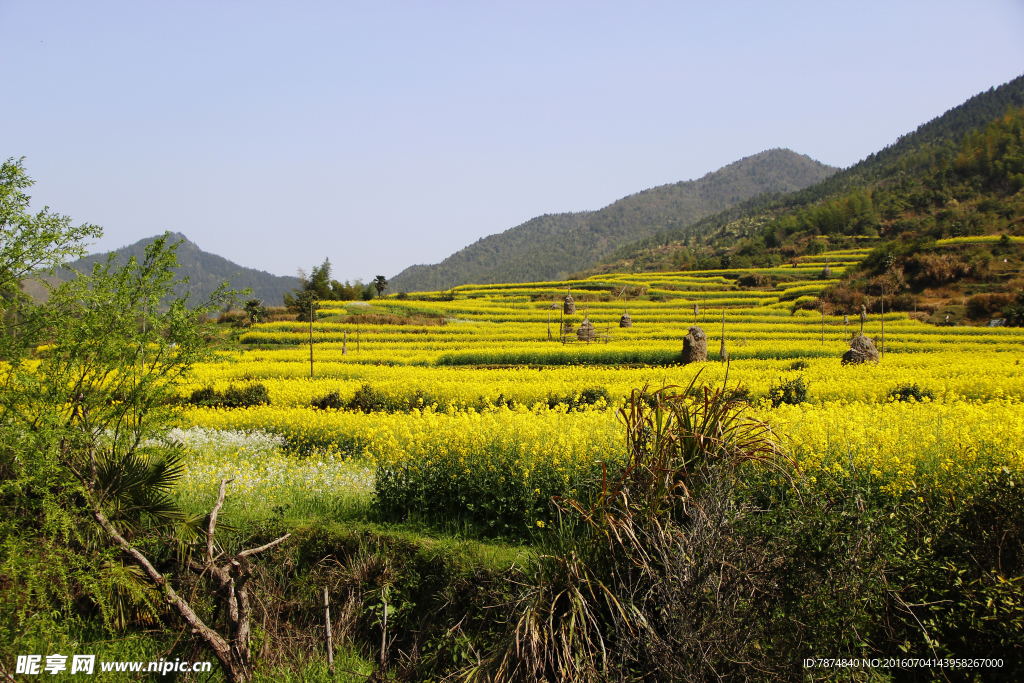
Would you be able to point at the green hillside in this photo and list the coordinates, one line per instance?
(552, 246)
(943, 209)
(900, 163)
(205, 271)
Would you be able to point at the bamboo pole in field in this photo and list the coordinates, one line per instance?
(722, 351)
(344, 344)
(330, 636)
(822, 323)
(311, 339)
(883, 322)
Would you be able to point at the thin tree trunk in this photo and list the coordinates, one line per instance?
(233, 655)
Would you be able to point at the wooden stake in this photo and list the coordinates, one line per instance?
(311, 339)
(822, 323)
(327, 626)
(883, 321)
(344, 344)
(723, 352)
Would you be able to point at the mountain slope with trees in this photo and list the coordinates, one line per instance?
(553, 245)
(908, 156)
(205, 271)
(943, 209)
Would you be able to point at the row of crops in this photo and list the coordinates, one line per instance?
(497, 410)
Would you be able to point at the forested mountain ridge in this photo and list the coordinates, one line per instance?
(205, 271)
(909, 156)
(943, 213)
(551, 246)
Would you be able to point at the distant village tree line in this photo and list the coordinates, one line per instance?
(318, 286)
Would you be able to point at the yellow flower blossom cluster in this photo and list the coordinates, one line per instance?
(992, 375)
(904, 445)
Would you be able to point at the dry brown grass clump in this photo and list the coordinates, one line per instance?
(625, 320)
(861, 349)
(569, 307)
(387, 319)
(586, 331)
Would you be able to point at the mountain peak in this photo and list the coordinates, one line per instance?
(205, 271)
(552, 246)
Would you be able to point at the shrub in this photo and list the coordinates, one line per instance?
(591, 395)
(588, 397)
(331, 401)
(754, 280)
(246, 396)
(792, 391)
(232, 318)
(614, 582)
(905, 392)
(207, 396)
(233, 397)
(368, 400)
(1014, 314)
(986, 305)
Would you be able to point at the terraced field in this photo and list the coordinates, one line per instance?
(500, 403)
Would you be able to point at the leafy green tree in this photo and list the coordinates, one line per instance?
(256, 311)
(85, 469)
(380, 283)
(305, 304)
(30, 246)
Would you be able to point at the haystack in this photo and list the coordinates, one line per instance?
(569, 307)
(861, 349)
(586, 332)
(554, 305)
(695, 346)
(826, 273)
(625, 320)
(723, 353)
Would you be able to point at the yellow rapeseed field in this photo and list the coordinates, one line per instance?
(499, 396)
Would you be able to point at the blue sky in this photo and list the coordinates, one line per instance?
(383, 134)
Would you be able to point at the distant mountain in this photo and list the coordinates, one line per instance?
(205, 271)
(552, 246)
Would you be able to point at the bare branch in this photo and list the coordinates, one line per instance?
(213, 519)
(253, 551)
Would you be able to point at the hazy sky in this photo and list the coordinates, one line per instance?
(383, 134)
